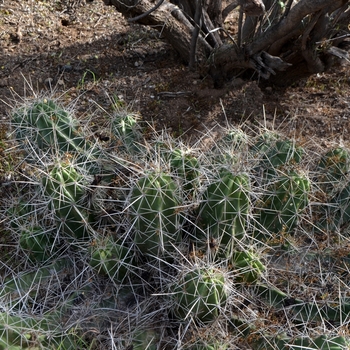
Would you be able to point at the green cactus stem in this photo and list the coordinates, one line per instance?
(49, 129)
(112, 259)
(127, 131)
(200, 294)
(154, 208)
(279, 210)
(304, 312)
(19, 332)
(283, 342)
(27, 283)
(39, 243)
(145, 339)
(275, 154)
(186, 168)
(64, 186)
(229, 149)
(210, 345)
(224, 209)
(332, 168)
(332, 190)
(247, 266)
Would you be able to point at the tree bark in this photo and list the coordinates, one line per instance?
(295, 39)
(289, 23)
(169, 20)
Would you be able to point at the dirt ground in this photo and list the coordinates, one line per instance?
(86, 52)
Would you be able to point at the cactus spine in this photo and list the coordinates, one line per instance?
(333, 184)
(247, 266)
(39, 243)
(275, 153)
(126, 130)
(186, 167)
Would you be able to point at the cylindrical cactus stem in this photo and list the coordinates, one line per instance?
(186, 168)
(247, 266)
(333, 190)
(332, 169)
(29, 222)
(224, 209)
(155, 211)
(274, 154)
(52, 130)
(39, 243)
(126, 129)
(200, 294)
(280, 208)
(20, 214)
(303, 312)
(329, 342)
(144, 339)
(111, 258)
(64, 186)
(20, 332)
(23, 286)
(235, 139)
(207, 345)
(338, 211)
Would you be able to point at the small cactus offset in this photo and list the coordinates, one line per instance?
(247, 266)
(39, 243)
(333, 168)
(144, 339)
(17, 333)
(284, 342)
(127, 132)
(111, 258)
(333, 184)
(274, 154)
(30, 223)
(200, 294)
(340, 208)
(203, 345)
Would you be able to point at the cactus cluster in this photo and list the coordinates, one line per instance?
(162, 246)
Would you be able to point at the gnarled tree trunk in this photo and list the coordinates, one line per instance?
(297, 38)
